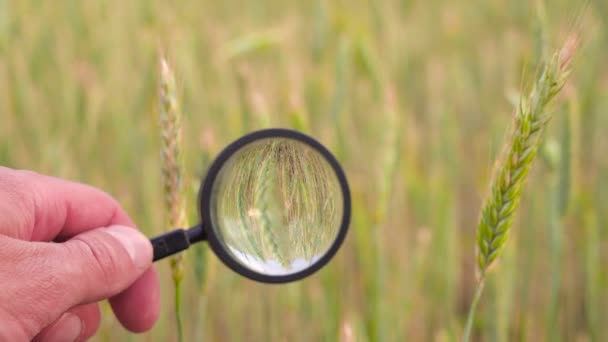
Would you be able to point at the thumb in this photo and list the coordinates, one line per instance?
(41, 281)
(103, 262)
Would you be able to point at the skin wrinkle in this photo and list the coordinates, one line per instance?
(9, 324)
(38, 212)
(43, 206)
(61, 237)
(43, 287)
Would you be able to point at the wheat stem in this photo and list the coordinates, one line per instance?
(473, 309)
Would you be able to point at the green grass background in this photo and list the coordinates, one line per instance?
(414, 97)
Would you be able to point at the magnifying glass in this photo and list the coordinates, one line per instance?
(275, 207)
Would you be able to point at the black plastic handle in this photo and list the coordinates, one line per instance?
(170, 243)
(176, 241)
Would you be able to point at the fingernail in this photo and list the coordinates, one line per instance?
(67, 329)
(135, 243)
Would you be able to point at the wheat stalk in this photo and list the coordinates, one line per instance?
(505, 190)
(171, 171)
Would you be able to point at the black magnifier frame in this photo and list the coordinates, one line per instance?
(178, 240)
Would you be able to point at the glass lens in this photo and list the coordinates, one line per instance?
(276, 206)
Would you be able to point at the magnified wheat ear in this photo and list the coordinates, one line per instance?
(171, 169)
(512, 168)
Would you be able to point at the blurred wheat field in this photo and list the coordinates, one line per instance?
(414, 98)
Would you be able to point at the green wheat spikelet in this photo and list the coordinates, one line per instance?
(528, 128)
(505, 189)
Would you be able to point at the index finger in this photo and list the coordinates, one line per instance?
(62, 209)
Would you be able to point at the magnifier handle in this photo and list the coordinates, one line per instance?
(170, 243)
(176, 241)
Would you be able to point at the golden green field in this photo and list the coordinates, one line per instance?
(415, 98)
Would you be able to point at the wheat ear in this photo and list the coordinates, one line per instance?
(171, 170)
(505, 190)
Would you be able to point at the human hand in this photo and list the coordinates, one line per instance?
(65, 246)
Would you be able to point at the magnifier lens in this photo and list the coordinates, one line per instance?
(276, 206)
